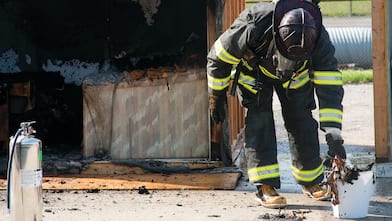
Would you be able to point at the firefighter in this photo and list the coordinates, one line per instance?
(280, 46)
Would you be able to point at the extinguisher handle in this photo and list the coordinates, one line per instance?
(27, 124)
(27, 128)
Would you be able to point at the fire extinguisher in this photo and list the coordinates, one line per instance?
(24, 175)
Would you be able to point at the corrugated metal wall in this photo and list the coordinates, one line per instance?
(353, 45)
(236, 112)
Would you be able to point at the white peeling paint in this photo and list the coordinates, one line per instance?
(134, 60)
(120, 55)
(150, 8)
(28, 59)
(8, 62)
(73, 71)
(106, 66)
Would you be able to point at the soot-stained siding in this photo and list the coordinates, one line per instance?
(91, 35)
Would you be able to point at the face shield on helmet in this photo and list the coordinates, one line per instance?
(297, 25)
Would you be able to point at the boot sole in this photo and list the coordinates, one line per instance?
(270, 206)
(326, 197)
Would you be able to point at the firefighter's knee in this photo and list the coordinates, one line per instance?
(251, 157)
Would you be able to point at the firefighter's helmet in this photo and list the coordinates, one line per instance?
(297, 25)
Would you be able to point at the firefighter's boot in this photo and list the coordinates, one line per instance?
(315, 191)
(269, 198)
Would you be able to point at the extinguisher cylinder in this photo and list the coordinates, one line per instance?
(26, 183)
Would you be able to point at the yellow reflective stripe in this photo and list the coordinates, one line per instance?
(331, 115)
(298, 81)
(267, 73)
(303, 66)
(328, 78)
(273, 76)
(263, 172)
(247, 82)
(218, 83)
(245, 63)
(223, 55)
(234, 69)
(307, 175)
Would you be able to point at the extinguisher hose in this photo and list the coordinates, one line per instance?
(11, 157)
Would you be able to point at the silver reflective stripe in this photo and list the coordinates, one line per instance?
(307, 175)
(328, 78)
(330, 115)
(298, 81)
(263, 172)
(223, 55)
(247, 82)
(218, 83)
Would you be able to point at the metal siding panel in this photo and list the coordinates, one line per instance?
(146, 120)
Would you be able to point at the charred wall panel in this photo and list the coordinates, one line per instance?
(41, 30)
(176, 30)
(125, 33)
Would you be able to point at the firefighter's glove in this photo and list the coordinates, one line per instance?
(217, 108)
(335, 145)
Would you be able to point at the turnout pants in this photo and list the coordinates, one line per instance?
(260, 137)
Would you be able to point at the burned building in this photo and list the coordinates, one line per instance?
(49, 48)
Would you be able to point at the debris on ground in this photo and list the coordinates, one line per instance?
(93, 191)
(290, 215)
(143, 190)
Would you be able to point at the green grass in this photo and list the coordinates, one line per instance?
(357, 76)
(346, 8)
